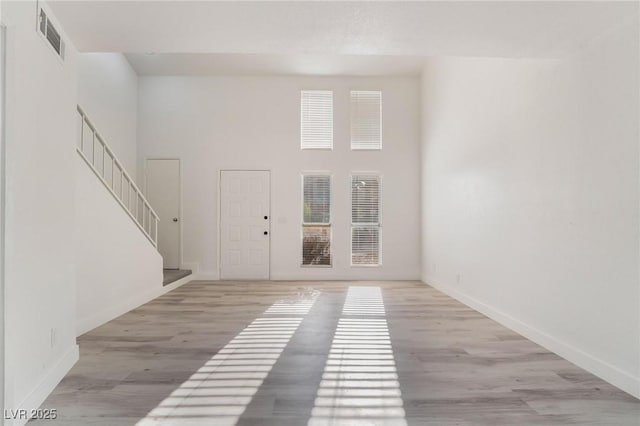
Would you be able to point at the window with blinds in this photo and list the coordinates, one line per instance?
(316, 220)
(316, 119)
(366, 224)
(366, 119)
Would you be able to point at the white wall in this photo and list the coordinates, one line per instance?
(107, 239)
(531, 197)
(215, 123)
(40, 155)
(108, 94)
(2, 208)
(117, 268)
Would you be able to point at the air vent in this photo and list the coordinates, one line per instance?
(50, 33)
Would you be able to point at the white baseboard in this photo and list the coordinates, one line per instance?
(321, 274)
(131, 302)
(295, 277)
(206, 277)
(373, 276)
(62, 367)
(610, 373)
(37, 396)
(176, 284)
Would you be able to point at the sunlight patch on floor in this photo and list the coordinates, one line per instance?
(360, 385)
(220, 391)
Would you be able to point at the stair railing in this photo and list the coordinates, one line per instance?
(106, 166)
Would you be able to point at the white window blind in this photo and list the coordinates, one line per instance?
(366, 221)
(366, 119)
(316, 220)
(316, 119)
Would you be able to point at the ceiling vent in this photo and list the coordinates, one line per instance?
(48, 30)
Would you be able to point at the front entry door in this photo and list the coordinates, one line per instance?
(244, 224)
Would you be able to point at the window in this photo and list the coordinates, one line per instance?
(316, 119)
(366, 224)
(316, 220)
(366, 119)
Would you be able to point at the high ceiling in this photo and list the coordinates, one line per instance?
(344, 37)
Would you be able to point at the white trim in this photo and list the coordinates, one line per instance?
(219, 226)
(596, 366)
(328, 274)
(48, 383)
(3, 93)
(178, 283)
(129, 303)
(207, 277)
(106, 150)
(317, 172)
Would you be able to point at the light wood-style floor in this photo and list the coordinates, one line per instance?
(454, 366)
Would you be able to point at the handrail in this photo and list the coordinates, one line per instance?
(128, 195)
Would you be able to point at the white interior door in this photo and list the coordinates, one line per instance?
(244, 225)
(163, 193)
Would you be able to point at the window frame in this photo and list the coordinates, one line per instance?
(329, 148)
(304, 224)
(353, 225)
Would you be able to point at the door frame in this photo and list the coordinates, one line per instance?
(180, 230)
(219, 213)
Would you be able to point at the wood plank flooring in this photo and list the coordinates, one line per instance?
(453, 365)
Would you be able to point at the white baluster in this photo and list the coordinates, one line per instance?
(142, 213)
(122, 183)
(104, 154)
(81, 132)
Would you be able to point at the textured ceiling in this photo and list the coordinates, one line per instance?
(217, 36)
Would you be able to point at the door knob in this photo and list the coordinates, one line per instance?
(266, 233)
(175, 219)
(266, 217)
